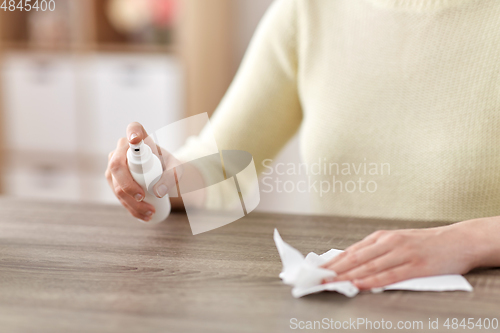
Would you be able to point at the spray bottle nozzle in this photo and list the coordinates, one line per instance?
(136, 148)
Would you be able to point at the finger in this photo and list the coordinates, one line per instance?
(357, 246)
(374, 266)
(167, 183)
(134, 213)
(136, 133)
(141, 210)
(120, 172)
(367, 241)
(374, 237)
(109, 179)
(107, 173)
(358, 257)
(387, 277)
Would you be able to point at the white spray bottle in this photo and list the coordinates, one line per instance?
(146, 170)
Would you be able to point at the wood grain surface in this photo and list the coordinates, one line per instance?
(92, 268)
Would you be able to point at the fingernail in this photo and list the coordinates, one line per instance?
(132, 136)
(328, 280)
(149, 213)
(358, 283)
(161, 190)
(138, 197)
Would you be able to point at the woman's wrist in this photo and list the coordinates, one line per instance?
(480, 240)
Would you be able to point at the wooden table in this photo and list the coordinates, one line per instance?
(92, 268)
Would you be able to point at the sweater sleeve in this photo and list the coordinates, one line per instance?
(261, 110)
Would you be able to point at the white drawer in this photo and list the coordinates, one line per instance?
(44, 182)
(39, 102)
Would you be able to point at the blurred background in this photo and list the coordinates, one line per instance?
(74, 73)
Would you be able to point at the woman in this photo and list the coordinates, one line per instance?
(409, 83)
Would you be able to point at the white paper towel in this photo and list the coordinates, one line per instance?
(305, 275)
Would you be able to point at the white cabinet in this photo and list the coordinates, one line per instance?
(123, 89)
(47, 176)
(60, 109)
(40, 121)
(40, 103)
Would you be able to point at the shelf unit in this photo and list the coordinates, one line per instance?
(202, 41)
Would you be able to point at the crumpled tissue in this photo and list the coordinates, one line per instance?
(305, 275)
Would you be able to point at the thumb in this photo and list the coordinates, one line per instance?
(168, 181)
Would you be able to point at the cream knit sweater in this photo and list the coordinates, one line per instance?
(410, 88)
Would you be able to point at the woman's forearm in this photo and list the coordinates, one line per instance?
(390, 256)
(482, 239)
